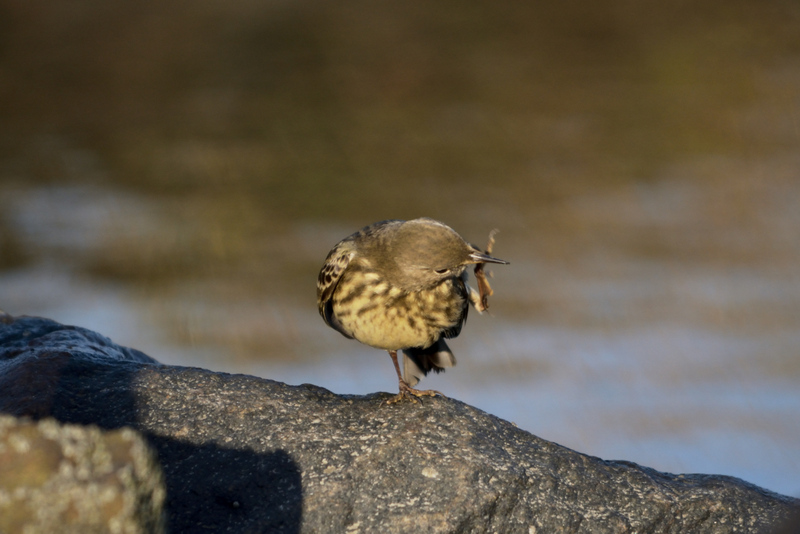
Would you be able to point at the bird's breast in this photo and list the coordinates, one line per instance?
(386, 317)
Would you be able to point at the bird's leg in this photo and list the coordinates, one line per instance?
(482, 302)
(406, 391)
(483, 281)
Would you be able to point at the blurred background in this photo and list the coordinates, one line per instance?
(173, 174)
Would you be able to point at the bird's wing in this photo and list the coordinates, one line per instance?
(462, 288)
(329, 276)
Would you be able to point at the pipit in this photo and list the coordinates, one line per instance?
(402, 285)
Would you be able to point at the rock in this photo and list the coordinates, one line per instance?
(68, 478)
(244, 454)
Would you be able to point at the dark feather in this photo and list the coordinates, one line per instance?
(420, 361)
(459, 284)
(331, 319)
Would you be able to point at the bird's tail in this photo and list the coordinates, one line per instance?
(418, 362)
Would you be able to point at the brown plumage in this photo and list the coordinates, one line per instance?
(401, 285)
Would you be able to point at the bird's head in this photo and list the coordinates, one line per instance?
(423, 252)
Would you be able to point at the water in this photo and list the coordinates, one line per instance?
(641, 164)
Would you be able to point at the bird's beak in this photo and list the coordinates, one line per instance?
(480, 257)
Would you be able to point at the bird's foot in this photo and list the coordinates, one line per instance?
(413, 395)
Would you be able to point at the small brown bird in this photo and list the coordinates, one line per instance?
(402, 285)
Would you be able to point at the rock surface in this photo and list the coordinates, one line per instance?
(243, 454)
(69, 478)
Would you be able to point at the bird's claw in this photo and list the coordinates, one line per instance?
(413, 395)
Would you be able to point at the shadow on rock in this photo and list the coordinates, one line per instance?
(76, 376)
(213, 489)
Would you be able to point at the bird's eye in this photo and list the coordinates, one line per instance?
(442, 271)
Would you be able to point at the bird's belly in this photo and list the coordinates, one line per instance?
(389, 330)
(415, 320)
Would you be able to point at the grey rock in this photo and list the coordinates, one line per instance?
(244, 454)
(68, 478)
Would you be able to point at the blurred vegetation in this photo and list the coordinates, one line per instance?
(356, 100)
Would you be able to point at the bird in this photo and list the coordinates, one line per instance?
(402, 285)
